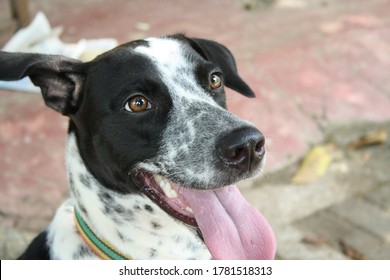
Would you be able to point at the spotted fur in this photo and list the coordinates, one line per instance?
(135, 231)
(196, 120)
(177, 139)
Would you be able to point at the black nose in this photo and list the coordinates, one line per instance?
(243, 148)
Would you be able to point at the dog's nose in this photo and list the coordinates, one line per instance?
(243, 148)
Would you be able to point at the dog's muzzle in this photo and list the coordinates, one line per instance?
(231, 228)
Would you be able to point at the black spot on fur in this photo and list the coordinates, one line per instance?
(107, 210)
(148, 208)
(85, 180)
(71, 182)
(128, 215)
(156, 225)
(76, 194)
(124, 213)
(83, 209)
(106, 197)
(119, 209)
(110, 211)
(153, 253)
(191, 246)
(81, 252)
(137, 207)
(117, 220)
(121, 236)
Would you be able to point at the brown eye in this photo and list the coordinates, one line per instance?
(137, 104)
(215, 81)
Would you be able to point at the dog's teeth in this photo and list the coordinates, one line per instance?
(158, 179)
(165, 186)
(171, 193)
(189, 209)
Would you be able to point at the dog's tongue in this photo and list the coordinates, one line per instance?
(231, 227)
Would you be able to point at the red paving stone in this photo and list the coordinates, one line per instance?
(328, 64)
(32, 142)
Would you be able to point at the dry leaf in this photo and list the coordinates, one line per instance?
(315, 164)
(376, 137)
(314, 240)
(349, 251)
(250, 5)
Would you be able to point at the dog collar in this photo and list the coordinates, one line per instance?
(99, 247)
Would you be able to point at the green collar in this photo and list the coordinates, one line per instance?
(99, 247)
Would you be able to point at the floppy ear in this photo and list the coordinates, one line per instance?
(60, 78)
(223, 58)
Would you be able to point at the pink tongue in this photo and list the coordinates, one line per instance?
(231, 227)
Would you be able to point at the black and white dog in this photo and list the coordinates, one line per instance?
(152, 153)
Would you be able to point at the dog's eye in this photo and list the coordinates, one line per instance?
(215, 81)
(138, 104)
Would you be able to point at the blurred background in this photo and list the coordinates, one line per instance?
(321, 73)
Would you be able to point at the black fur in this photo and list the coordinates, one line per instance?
(37, 250)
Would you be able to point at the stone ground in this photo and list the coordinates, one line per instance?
(320, 69)
(346, 209)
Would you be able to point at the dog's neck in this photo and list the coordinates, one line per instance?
(130, 222)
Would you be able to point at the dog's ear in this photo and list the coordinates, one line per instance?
(223, 58)
(60, 78)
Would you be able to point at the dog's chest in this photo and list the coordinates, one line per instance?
(131, 223)
(141, 242)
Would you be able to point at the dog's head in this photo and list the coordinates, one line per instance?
(150, 117)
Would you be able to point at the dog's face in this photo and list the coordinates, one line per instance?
(164, 114)
(150, 118)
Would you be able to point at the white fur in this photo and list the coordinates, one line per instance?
(63, 239)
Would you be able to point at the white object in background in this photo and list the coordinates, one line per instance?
(39, 37)
(38, 30)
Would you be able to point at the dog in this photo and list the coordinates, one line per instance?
(152, 153)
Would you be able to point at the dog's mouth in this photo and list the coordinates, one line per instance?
(167, 195)
(230, 226)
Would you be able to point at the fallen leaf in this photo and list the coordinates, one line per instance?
(349, 251)
(314, 240)
(250, 5)
(314, 165)
(376, 137)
